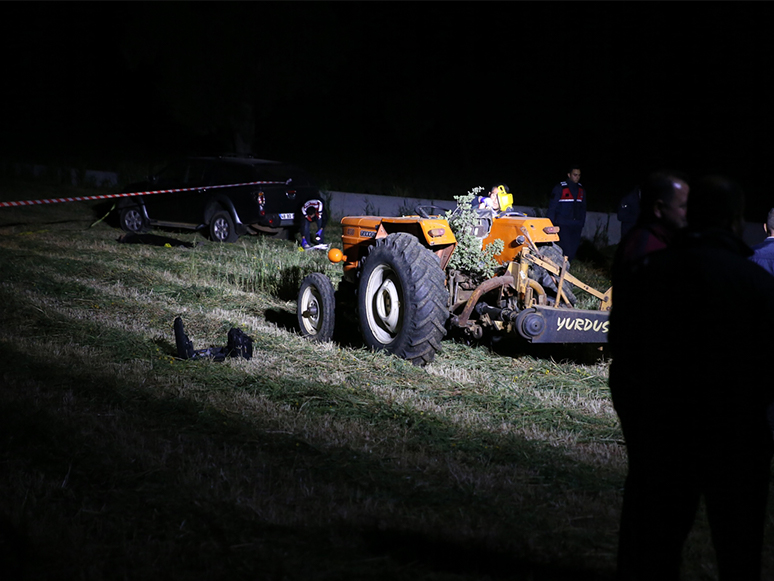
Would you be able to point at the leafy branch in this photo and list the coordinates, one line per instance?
(470, 255)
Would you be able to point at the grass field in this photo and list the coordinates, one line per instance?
(308, 461)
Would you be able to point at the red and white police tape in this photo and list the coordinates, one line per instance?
(107, 196)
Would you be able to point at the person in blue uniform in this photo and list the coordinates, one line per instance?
(567, 209)
(763, 253)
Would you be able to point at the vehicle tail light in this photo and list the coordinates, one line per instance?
(551, 229)
(436, 232)
(260, 197)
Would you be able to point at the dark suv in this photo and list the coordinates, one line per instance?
(228, 195)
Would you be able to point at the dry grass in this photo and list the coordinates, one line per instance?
(306, 462)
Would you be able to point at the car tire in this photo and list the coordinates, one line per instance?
(222, 228)
(316, 308)
(402, 299)
(132, 220)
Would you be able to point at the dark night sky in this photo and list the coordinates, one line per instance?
(498, 90)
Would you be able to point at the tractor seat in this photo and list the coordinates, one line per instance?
(484, 226)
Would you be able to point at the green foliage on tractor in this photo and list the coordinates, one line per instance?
(470, 256)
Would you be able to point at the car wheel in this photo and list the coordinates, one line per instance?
(132, 220)
(402, 299)
(222, 228)
(316, 308)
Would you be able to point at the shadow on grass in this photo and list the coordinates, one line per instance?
(578, 353)
(346, 332)
(103, 473)
(437, 554)
(283, 319)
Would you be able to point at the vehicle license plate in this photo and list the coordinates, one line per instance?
(287, 216)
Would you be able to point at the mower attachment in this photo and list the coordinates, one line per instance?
(544, 324)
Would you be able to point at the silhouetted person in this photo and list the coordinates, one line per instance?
(688, 381)
(763, 253)
(629, 210)
(663, 204)
(567, 209)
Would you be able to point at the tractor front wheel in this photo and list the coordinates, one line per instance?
(402, 299)
(316, 307)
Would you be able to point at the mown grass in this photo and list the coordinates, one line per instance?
(307, 461)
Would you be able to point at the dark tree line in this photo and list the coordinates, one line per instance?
(224, 69)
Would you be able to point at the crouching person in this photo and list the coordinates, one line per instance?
(313, 212)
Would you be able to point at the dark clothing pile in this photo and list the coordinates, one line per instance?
(239, 345)
(691, 336)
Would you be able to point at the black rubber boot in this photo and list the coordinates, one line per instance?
(185, 348)
(239, 344)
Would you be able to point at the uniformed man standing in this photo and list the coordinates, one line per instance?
(567, 209)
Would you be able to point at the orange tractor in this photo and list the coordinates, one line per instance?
(396, 272)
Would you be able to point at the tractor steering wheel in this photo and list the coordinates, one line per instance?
(427, 211)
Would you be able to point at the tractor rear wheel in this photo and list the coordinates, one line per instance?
(402, 300)
(552, 253)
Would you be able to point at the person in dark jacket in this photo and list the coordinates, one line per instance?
(687, 379)
(567, 209)
(629, 210)
(763, 253)
(664, 201)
